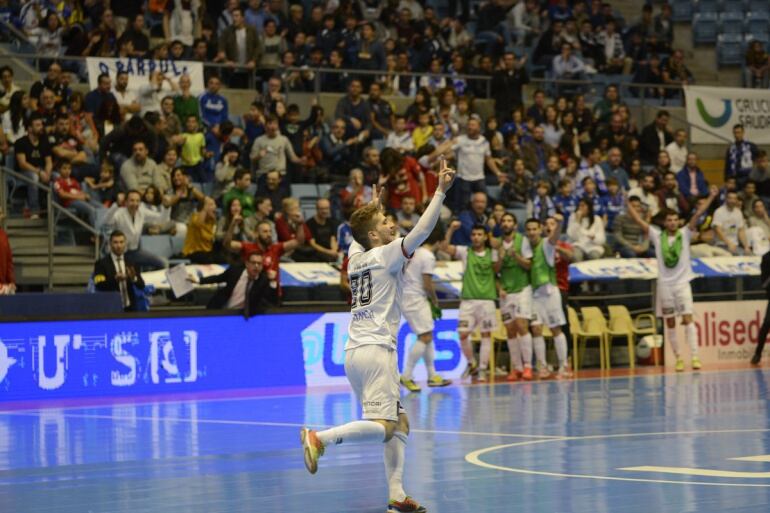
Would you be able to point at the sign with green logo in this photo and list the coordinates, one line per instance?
(715, 110)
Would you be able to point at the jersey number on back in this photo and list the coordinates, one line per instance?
(361, 289)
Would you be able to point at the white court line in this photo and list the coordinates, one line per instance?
(474, 458)
(270, 424)
(342, 390)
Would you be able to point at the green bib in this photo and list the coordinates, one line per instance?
(671, 253)
(513, 277)
(542, 272)
(479, 276)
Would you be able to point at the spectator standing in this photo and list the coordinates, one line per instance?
(94, 99)
(586, 233)
(141, 171)
(70, 195)
(381, 112)
(655, 137)
(537, 152)
(630, 239)
(248, 287)
(354, 110)
(214, 108)
(323, 231)
(239, 45)
(761, 175)
(614, 53)
(473, 153)
(758, 65)
(151, 94)
(181, 199)
(7, 276)
(8, 87)
(676, 73)
(356, 194)
(542, 205)
(568, 66)
(475, 216)
(507, 85)
(677, 150)
(194, 151)
(199, 240)
(288, 225)
(740, 156)
(240, 191)
(729, 226)
(400, 139)
(270, 150)
(131, 222)
(115, 273)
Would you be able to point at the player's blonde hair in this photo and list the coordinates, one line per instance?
(362, 222)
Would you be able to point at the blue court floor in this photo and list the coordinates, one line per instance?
(656, 443)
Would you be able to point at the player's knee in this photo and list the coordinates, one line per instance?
(426, 338)
(403, 424)
(686, 319)
(671, 322)
(390, 428)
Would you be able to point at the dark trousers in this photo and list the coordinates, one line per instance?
(763, 331)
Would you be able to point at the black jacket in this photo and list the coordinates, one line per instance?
(262, 295)
(104, 279)
(649, 144)
(765, 273)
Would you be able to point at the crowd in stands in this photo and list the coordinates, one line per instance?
(163, 161)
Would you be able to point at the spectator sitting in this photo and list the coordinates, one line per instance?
(194, 151)
(34, 159)
(241, 229)
(381, 111)
(248, 287)
(671, 198)
(166, 168)
(517, 190)
(646, 194)
(157, 217)
(740, 156)
(131, 222)
(272, 187)
(240, 190)
(476, 215)
(614, 54)
(758, 65)
(127, 100)
(199, 240)
(352, 109)
(289, 224)
(370, 165)
(551, 174)
(103, 92)
(590, 167)
(590, 193)
(586, 233)
(406, 215)
(614, 203)
(565, 201)
(224, 172)
(729, 226)
(607, 106)
(630, 240)
(542, 206)
(760, 174)
(613, 168)
(7, 277)
(747, 197)
(691, 180)
(702, 244)
(269, 151)
(7, 87)
(70, 195)
(567, 66)
(758, 217)
(323, 231)
(104, 190)
(140, 171)
(400, 139)
(338, 152)
(537, 152)
(214, 108)
(655, 137)
(181, 198)
(115, 272)
(356, 194)
(677, 150)
(67, 148)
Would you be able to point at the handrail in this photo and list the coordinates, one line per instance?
(16, 32)
(700, 127)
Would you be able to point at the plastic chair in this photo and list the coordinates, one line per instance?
(730, 50)
(757, 23)
(304, 190)
(733, 6)
(581, 334)
(759, 6)
(731, 22)
(595, 324)
(681, 10)
(159, 245)
(707, 6)
(620, 319)
(705, 28)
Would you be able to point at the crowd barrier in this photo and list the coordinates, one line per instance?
(139, 356)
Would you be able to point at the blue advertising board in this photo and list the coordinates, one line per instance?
(144, 356)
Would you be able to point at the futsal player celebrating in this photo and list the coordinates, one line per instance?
(546, 296)
(375, 270)
(477, 299)
(420, 308)
(672, 251)
(515, 296)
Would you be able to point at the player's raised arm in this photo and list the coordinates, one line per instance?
(713, 193)
(554, 237)
(445, 245)
(430, 217)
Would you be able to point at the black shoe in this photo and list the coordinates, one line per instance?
(756, 358)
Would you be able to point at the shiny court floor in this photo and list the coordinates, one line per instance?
(669, 443)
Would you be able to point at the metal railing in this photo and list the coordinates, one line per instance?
(51, 218)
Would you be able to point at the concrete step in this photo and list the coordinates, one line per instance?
(59, 260)
(82, 251)
(20, 222)
(38, 275)
(35, 241)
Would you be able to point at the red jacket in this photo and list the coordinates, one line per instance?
(6, 260)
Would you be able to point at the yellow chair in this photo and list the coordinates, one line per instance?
(580, 335)
(595, 327)
(623, 325)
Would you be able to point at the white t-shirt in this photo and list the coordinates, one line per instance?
(400, 142)
(125, 99)
(758, 241)
(470, 157)
(682, 272)
(678, 155)
(422, 262)
(729, 222)
(376, 280)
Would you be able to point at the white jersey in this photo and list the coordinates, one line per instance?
(376, 280)
(682, 272)
(422, 262)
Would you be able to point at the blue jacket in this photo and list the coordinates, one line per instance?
(214, 109)
(468, 219)
(683, 179)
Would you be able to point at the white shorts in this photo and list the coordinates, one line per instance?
(476, 313)
(372, 371)
(417, 313)
(674, 300)
(517, 305)
(547, 308)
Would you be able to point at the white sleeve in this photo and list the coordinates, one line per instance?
(487, 151)
(425, 225)
(429, 265)
(549, 250)
(495, 256)
(394, 255)
(526, 248)
(654, 235)
(719, 217)
(355, 248)
(461, 254)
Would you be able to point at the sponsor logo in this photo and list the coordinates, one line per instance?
(715, 121)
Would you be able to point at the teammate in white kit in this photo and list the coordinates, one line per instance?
(375, 267)
(672, 251)
(420, 308)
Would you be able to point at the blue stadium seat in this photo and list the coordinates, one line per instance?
(304, 190)
(730, 50)
(682, 10)
(731, 23)
(159, 245)
(759, 6)
(707, 6)
(763, 37)
(736, 6)
(177, 243)
(705, 27)
(758, 22)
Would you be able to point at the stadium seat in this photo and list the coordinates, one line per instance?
(731, 23)
(622, 325)
(757, 23)
(681, 10)
(159, 245)
(323, 190)
(758, 6)
(581, 333)
(304, 190)
(736, 6)
(705, 26)
(707, 6)
(730, 50)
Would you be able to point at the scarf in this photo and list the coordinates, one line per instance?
(672, 253)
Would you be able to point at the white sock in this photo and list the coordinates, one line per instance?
(671, 339)
(467, 348)
(560, 341)
(525, 343)
(356, 432)
(539, 343)
(514, 348)
(486, 348)
(429, 357)
(691, 334)
(394, 465)
(418, 348)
